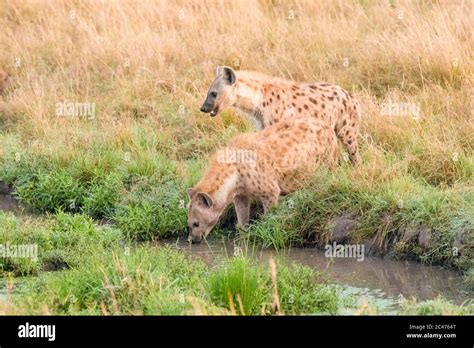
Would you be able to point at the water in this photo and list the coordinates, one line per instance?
(381, 278)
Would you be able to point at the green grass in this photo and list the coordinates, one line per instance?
(153, 211)
(242, 284)
(302, 292)
(103, 195)
(119, 281)
(145, 280)
(13, 232)
(62, 240)
(49, 192)
(73, 238)
(437, 306)
(469, 278)
(269, 232)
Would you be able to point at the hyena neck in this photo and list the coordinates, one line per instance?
(249, 99)
(219, 182)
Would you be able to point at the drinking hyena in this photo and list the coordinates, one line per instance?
(262, 165)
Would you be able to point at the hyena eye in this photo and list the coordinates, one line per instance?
(196, 224)
(214, 94)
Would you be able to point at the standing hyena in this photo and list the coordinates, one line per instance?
(248, 168)
(268, 100)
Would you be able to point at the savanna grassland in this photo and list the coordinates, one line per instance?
(99, 189)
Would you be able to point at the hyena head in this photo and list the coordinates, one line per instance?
(221, 94)
(202, 215)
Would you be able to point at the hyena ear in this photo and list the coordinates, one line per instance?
(227, 73)
(219, 70)
(205, 199)
(191, 192)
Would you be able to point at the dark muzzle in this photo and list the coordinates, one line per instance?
(206, 109)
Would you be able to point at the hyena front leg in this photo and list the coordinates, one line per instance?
(242, 209)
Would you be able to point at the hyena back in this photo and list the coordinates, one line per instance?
(268, 100)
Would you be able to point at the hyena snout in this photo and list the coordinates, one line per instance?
(209, 108)
(205, 108)
(194, 235)
(194, 238)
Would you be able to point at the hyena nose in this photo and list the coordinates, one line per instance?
(196, 239)
(203, 109)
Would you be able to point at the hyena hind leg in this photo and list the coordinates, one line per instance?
(269, 198)
(352, 148)
(348, 132)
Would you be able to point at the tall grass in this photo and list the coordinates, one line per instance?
(139, 62)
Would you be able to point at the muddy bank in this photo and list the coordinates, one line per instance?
(7, 201)
(343, 227)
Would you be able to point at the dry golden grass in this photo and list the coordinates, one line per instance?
(130, 51)
(147, 65)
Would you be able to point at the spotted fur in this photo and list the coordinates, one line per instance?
(268, 100)
(279, 160)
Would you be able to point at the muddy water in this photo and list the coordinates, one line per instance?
(385, 277)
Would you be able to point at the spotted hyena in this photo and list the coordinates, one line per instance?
(262, 165)
(268, 100)
(4, 80)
